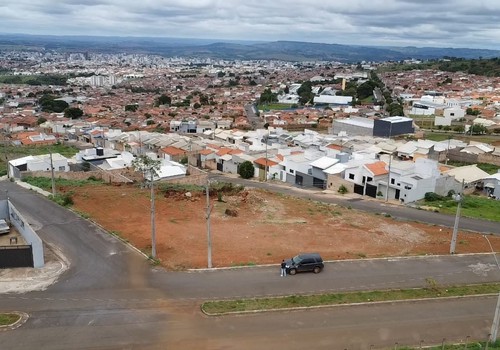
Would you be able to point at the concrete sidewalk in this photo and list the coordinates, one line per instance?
(28, 279)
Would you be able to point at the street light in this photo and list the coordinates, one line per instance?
(153, 224)
(209, 239)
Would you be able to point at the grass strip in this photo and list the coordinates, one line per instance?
(8, 319)
(295, 301)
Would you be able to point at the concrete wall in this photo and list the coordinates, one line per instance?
(335, 181)
(28, 234)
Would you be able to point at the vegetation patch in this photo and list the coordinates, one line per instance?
(45, 183)
(472, 206)
(260, 304)
(8, 319)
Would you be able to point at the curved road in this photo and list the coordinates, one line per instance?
(112, 298)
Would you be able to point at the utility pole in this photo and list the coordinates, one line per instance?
(209, 239)
(458, 198)
(388, 178)
(153, 223)
(52, 175)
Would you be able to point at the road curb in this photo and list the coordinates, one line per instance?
(205, 269)
(302, 308)
(23, 317)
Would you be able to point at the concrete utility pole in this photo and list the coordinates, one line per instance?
(52, 175)
(153, 222)
(458, 198)
(388, 178)
(209, 238)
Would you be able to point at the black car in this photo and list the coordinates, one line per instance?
(304, 262)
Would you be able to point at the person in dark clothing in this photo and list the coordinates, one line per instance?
(283, 268)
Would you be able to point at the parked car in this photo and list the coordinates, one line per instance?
(4, 226)
(304, 262)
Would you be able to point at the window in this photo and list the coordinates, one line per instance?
(291, 171)
(369, 179)
(61, 168)
(393, 181)
(351, 176)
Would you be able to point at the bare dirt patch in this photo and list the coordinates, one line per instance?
(259, 227)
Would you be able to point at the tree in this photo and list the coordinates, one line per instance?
(478, 129)
(268, 96)
(149, 168)
(49, 104)
(305, 93)
(131, 108)
(164, 100)
(41, 120)
(246, 170)
(395, 109)
(73, 113)
(471, 111)
(365, 90)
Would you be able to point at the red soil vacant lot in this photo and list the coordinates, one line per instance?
(267, 228)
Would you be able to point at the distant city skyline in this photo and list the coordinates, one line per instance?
(421, 23)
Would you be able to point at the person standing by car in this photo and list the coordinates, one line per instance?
(283, 268)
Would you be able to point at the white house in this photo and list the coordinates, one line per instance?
(449, 115)
(492, 185)
(38, 163)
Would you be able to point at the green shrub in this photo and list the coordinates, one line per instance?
(433, 197)
(63, 199)
(246, 170)
(342, 189)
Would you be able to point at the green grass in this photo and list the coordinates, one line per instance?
(489, 168)
(471, 345)
(45, 183)
(8, 319)
(294, 301)
(442, 136)
(274, 106)
(472, 206)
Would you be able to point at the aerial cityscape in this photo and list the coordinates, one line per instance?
(171, 171)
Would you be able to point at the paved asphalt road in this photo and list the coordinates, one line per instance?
(111, 298)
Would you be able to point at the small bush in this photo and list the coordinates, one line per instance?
(433, 197)
(63, 199)
(342, 189)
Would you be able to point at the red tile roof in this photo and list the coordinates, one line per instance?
(377, 168)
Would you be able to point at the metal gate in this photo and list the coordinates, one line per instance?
(370, 190)
(16, 256)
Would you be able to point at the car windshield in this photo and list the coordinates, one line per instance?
(296, 259)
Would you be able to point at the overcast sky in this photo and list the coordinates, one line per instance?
(440, 23)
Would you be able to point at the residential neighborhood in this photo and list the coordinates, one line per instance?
(190, 113)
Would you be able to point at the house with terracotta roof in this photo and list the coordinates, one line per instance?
(371, 174)
(264, 168)
(223, 159)
(34, 138)
(172, 153)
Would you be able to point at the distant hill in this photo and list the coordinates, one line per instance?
(232, 50)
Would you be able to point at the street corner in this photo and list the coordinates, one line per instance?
(27, 279)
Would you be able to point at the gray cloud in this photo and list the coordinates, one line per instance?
(450, 23)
